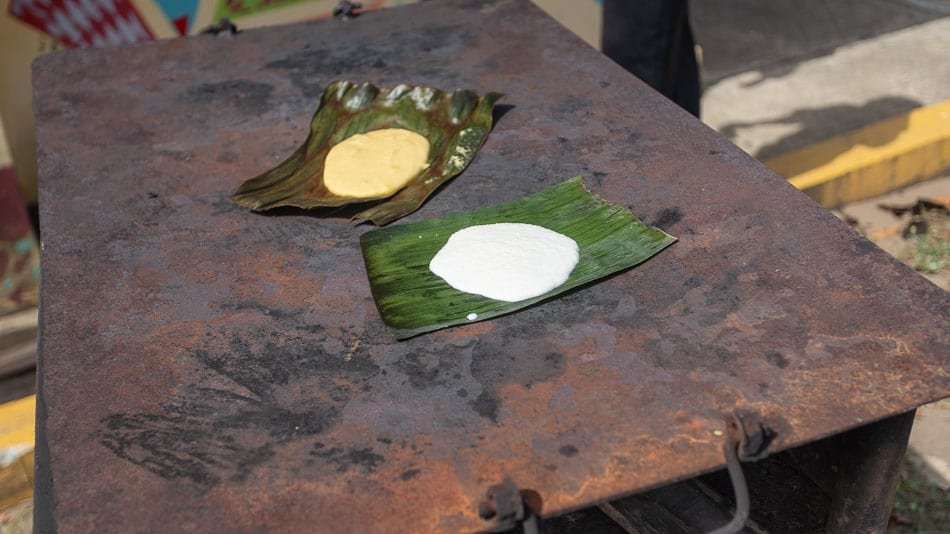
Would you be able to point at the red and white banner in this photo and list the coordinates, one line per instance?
(83, 23)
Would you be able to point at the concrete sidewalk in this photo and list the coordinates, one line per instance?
(771, 38)
(776, 108)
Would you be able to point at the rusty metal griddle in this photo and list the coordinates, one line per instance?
(210, 368)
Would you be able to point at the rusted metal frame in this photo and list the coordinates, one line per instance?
(868, 460)
(747, 439)
(618, 517)
(855, 472)
(683, 507)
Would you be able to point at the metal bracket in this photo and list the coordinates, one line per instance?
(224, 26)
(347, 10)
(753, 435)
(504, 506)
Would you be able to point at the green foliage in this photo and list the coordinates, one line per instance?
(932, 253)
(919, 507)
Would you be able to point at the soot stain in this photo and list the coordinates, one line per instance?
(133, 134)
(725, 292)
(176, 446)
(597, 178)
(486, 405)
(864, 246)
(274, 313)
(438, 37)
(570, 105)
(409, 474)
(497, 362)
(427, 369)
(667, 217)
(209, 434)
(693, 282)
(725, 355)
(222, 204)
(777, 359)
(246, 96)
(308, 69)
(357, 458)
(305, 67)
(474, 5)
(333, 62)
(495, 370)
(568, 451)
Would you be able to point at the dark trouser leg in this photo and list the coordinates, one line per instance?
(652, 39)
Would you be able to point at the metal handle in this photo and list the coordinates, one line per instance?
(747, 439)
(731, 447)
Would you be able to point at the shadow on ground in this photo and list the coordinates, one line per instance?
(774, 37)
(815, 124)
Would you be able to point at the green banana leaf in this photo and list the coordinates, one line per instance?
(412, 300)
(456, 125)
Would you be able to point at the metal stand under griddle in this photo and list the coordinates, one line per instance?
(205, 368)
(841, 484)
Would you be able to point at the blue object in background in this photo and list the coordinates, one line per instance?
(180, 12)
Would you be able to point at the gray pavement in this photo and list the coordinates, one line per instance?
(768, 112)
(929, 443)
(773, 36)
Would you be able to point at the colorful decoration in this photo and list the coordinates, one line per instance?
(83, 23)
(255, 13)
(181, 13)
(19, 255)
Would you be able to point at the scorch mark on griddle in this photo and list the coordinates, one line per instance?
(206, 435)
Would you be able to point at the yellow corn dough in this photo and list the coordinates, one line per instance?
(375, 164)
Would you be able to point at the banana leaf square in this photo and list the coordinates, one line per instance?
(412, 300)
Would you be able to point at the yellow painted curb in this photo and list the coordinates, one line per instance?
(16, 480)
(16, 450)
(17, 422)
(873, 160)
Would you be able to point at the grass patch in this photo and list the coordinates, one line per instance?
(932, 254)
(919, 506)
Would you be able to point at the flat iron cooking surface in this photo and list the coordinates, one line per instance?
(215, 369)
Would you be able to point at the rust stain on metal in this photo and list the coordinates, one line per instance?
(220, 368)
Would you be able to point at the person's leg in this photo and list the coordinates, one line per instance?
(653, 40)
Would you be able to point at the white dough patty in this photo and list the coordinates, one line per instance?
(506, 261)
